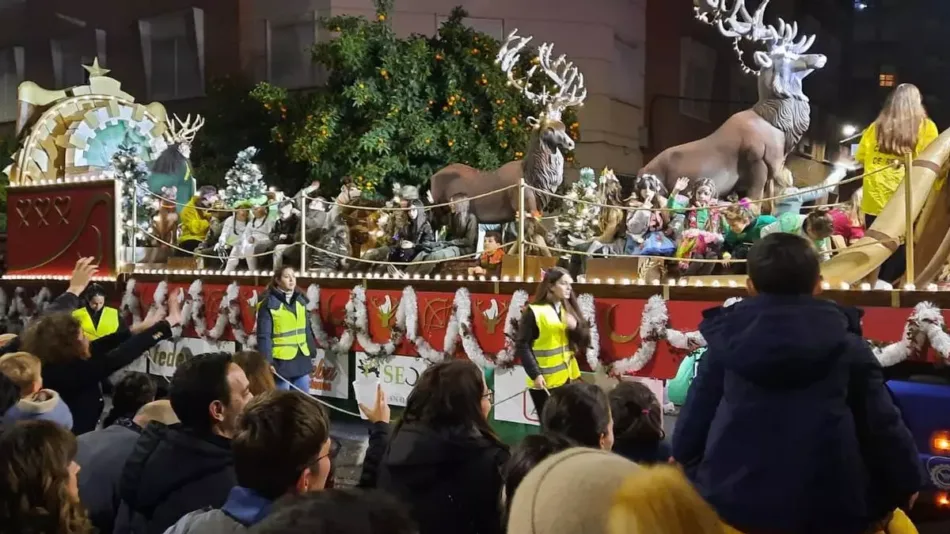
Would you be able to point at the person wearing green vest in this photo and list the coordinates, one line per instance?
(96, 319)
(551, 331)
(284, 334)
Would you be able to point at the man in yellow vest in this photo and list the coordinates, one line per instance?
(284, 335)
(96, 319)
(548, 329)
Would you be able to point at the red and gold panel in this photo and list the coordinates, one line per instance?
(49, 227)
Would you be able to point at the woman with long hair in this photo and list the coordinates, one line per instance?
(552, 330)
(39, 493)
(284, 335)
(902, 128)
(443, 459)
(257, 369)
(74, 367)
(638, 424)
(849, 219)
(581, 412)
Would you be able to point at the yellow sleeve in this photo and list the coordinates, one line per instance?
(927, 135)
(867, 145)
(192, 223)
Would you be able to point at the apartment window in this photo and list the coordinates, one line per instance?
(289, 52)
(173, 52)
(492, 27)
(69, 56)
(887, 76)
(697, 70)
(11, 75)
(627, 67)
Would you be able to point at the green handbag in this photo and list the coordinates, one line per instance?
(679, 385)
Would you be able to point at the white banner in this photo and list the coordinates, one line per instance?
(168, 355)
(140, 365)
(330, 378)
(515, 404)
(397, 376)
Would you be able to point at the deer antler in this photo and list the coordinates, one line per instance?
(185, 131)
(564, 74)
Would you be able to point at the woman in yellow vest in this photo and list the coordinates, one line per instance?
(96, 319)
(284, 335)
(552, 330)
(902, 127)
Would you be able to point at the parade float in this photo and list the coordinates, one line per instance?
(72, 196)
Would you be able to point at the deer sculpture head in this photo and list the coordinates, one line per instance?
(183, 133)
(784, 63)
(544, 160)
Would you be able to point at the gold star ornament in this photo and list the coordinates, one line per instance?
(95, 70)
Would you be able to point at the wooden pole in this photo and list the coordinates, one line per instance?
(909, 218)
(303, 231)
(521, 218)
(134, 229)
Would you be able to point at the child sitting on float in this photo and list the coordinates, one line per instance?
(793, 198)
(489, 263)
(817, 227)
(849, 219)
(645, 224)
(255, 240)
(704, 226)
(745, 224)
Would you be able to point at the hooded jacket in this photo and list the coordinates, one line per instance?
(450, 478)
(788, 426)
(172, 471)
(44, 405)
(243, 509)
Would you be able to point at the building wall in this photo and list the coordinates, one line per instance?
(605, 38)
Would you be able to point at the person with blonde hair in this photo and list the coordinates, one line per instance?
(849, 219)
(902, 128)
(660, 500)
(257, 369)
(36, 403)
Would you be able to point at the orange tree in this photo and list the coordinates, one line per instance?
(397, 110)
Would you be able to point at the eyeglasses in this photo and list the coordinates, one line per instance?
(490, 396)
(335, 448)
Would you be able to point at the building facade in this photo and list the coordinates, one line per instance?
(168, 51)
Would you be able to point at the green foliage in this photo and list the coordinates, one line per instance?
(398, 110)
(131, 170)
(245, 182)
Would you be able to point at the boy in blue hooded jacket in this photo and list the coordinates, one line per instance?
(788, 426)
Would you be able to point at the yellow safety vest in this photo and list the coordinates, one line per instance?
(290, 332)
(552, 350)
(108, 322)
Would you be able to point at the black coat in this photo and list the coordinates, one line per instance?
(450, 479)
(77, 381)
(172, 471)
(788, 426)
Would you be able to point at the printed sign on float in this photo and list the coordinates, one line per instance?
(168, 355)
(329, 378)
(397, 376)
(515, 404)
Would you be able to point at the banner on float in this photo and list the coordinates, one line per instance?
(397, 376)
(514, 401)
(140, 365)
(330, 378)
(168, 355)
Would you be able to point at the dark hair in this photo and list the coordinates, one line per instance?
(636, 414)
(494, 235)
(9, 394)
(280, 272)
(34, 481)
(196, 384)
(526, 455)
(783, 264)
(131, 393)
(580, 336)
(448, 395)
(54, 338)
(819, 223)
(94, 290)
(279, 435)
(337, 511)
(257, 369)
(579, 411)
(170, 161)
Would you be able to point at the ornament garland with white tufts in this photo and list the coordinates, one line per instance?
(244, 180)
(129, 168)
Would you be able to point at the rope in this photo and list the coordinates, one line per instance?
(316, 398)
(397, 208)
(718, 206)
(404, 263)
(219, 210)
(200, 255)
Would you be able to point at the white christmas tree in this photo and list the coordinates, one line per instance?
(244, 180)
(579, 221)
(128, 168)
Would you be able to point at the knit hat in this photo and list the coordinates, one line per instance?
(569, 493)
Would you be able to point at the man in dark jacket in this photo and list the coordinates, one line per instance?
(788, 426)
(102, 455)
(186, 467)
(282, 447)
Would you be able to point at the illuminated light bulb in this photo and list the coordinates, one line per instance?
(932, 287)
(471, 278)
(611, 281)
(865, 286)
(625, 281)
(385, 276)
(671, 282)
(518, 279)
(845, 286)
(910, 287)
(655, 282)
(683, 282)
(494, 278)
(481, 278)
(596, 280)
(437, 277)
(530, 279)
(732, 283)
(825, 285)
(716, 283)
(448, 277)
(699, 283)
(506, 278)
(349, 275)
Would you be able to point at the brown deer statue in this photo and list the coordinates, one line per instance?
(543, 165)
(750, 148)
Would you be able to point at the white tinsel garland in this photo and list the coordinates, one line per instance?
(252, 304)
(130, 303)
(232, 296)
(588, 310)
(470, 344)
(423, 348)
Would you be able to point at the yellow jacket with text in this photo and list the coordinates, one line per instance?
(881, 182)
(551, 349)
